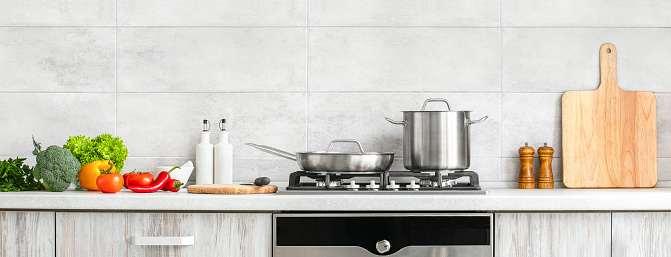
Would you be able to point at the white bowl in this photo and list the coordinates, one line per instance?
(182, 174)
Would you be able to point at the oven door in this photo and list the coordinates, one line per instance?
(382, 234)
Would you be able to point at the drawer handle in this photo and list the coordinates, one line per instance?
(162, 240)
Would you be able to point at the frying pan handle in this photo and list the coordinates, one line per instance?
(274, 151)
(344, 141)
(471, 122)
(404, 123)
(436, 100)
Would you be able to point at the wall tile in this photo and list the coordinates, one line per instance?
(510, 170)
(212, 13)
(557, 60)
(532, 118)
(571, 13)
(488, 169)
(211, 59)
(58, 13)
(361, 116)
(664, 125)
(404, 59)
(470, 13)
(51, 118)
(168, 125)
(663, 169)
(56, 59)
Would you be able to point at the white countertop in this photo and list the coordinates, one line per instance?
(497, 199)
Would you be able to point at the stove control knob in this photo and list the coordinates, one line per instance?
(412, 185)
(393, 186)
(372, 185)
(352, 186)
(383, 246)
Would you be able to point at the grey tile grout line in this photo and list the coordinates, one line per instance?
(116, 68)
(307, 74)
(500, 173)
(334, 26)
(294, 92)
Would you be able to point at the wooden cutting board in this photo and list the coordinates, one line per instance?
(231, 189)
(609, 136)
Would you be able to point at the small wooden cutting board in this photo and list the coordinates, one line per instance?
(609, 136)
(233, 189)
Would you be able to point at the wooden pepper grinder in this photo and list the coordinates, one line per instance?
(526, 180)
(545, 179)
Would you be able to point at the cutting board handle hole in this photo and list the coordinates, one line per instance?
(607, 50)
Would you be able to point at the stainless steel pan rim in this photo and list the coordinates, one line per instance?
(327, 161)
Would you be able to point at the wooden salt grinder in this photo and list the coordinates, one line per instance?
(526, 180)
(545, 179)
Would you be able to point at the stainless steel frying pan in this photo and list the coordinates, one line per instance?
(335, 161)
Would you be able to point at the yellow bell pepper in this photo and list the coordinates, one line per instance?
(90, 172)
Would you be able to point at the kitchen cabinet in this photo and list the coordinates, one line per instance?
(552, 234)
(27, 233)
(214, 234)
(642, 234)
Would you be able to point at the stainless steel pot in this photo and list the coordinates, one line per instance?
(436, 140)
(335, 161)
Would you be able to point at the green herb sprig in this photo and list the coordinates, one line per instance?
(16, 176)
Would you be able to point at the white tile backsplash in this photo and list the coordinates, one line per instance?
(36, 59)
(169, 125)
(295, 74)
(403, 59)
(530, 118)
(51, 118)
(58, 13)
(561, 59)
(211, 59)
(580, 13)
(212, 13)
(470, 13)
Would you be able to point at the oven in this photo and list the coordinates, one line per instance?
(383, 234)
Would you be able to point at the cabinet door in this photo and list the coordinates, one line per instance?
(110, 234)
(27, 233)
(552, 234)
(642, 234)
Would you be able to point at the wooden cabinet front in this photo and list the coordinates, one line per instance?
(27, 233)
(552, 234)
(214, 234)
(642, 234)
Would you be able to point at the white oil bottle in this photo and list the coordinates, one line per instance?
(204, 156)
(223, 157)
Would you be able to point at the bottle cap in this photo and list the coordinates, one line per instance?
(206, 125)
(222, 124)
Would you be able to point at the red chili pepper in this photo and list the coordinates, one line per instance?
(158, 183)
(173, 185)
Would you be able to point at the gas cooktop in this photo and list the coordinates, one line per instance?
(456, 182)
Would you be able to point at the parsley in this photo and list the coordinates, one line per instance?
(16, 176)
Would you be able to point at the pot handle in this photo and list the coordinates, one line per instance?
(471, 122)
(344, 141)
(404, 123)
(274, 151)
(436, 100)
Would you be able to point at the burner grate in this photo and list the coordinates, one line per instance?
(437, 181)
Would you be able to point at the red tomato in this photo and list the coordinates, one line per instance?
(141, 179)
(126, 178)
(110, 183)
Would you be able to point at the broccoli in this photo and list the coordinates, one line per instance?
(56, 166)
